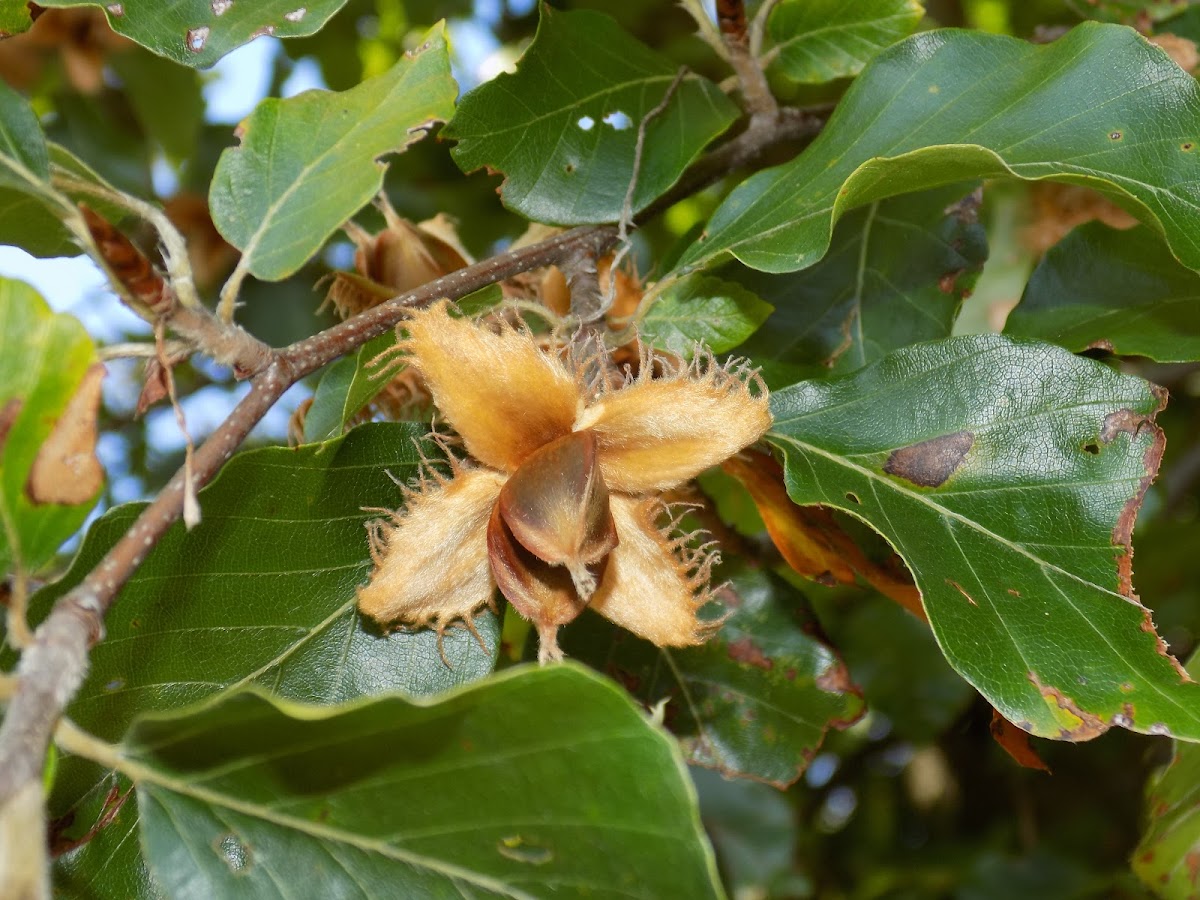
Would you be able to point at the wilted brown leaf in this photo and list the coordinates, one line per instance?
(1016, 743)
(810, 539)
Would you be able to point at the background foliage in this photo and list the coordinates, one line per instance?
(962, 332)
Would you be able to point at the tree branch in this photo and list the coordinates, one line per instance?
(54, 666)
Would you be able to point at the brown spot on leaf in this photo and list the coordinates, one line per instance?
(930, 463)
(1016, 743)
(1192, 860)
(60, 844)
(1090, 725)
(66, 469)
(1101, 344)
(1014, 592)
(967, 209)
(1123, 421)
(947, 282)
(8, 416)
(836, 679)
(744, 650)
(958, 587)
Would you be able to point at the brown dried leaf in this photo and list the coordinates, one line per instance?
(1057, 208)
(1016, 743)
(811, 541)
(1180, 49)
(66, 469)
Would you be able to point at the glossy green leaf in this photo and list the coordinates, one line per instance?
(754, 833)
(896, 273)
(307, 164)
(23, 156)
(109, 862)
(1168, 857)
(699, 308)
(197, 33)
(1120, 291)
(754, 701)
(563, 128)
(821, 40)
(1007, 474)
(26, 222)
(1100, 106)
(262, 591)
(43, 358)
(539, 782)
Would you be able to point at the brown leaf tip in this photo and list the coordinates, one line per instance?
(1090, 725)
(930, 463)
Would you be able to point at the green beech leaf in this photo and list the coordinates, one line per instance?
(896, 273)
(563, 128)
(307, 164)
(262, 591)
(1007, 474)
(755, 700)
(33, 217)
(1168, 857)
(109, 863)
(538, 782)
(1100, 106)
(23, 156)
(892, 655)
(754, 833)
(43, 359)
(199, 32)
(717, 313)
(821, 40)
(1120, 291)
(27, 222)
